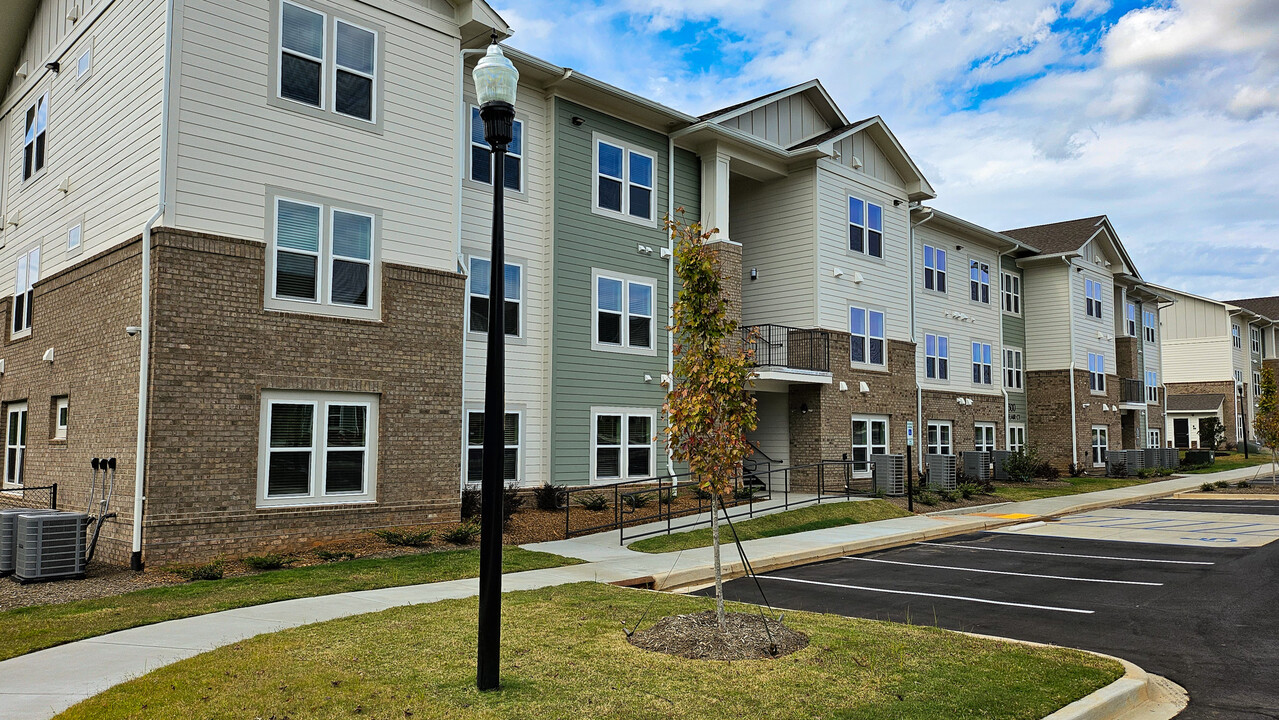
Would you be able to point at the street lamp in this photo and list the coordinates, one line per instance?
(1243, 420)
(495, 80)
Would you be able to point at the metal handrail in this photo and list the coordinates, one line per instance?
(771, 345)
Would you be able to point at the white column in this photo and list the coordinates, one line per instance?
(715, 169)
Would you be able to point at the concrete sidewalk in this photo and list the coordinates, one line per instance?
(42, 684)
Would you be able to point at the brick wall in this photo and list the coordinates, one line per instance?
(728, 262)
(938, 405)
(1048, 415)
(1128, 358)
(1221, 387)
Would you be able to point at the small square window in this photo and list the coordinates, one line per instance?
(84, 64)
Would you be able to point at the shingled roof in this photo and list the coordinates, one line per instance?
(829, 134)
(1195, 403)
(744, 103)
(1265, 306)
(1058, 237)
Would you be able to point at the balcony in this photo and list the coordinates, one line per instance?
(1132, 392)
(785, 356)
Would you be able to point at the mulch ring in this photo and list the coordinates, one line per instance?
(698, 637)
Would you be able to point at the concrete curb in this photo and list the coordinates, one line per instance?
(1197, 495)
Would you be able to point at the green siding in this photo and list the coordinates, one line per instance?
(581, 377)
(1015, 336)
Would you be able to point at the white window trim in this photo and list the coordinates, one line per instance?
(1152, 388)
(938, 357)
(519, 301)
(21, 409)
(87, 50)
(1099, 373)
(59, 427)
(939, 273)
(627, 150)
(28, 293)
(325, 62)
(870, 447)
(1153, 439)
(327, 109)
(319, 437)
(991, 431)
(950, 437)
(1010, 289)
(626, 413)
(1236, 335)
(470, 160)
(865, 227)
(519, 446)
(1016, 438)
(372, 78)
(867, 364)
(1018, 371)
(1094, 445)
(983, 267)
(22, 148)
(1254, 340)
(627, 281)
(1096, 302)
(980, 365)
(1130, 319)
(1150, 332)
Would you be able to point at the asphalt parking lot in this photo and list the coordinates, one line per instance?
(1185, 589)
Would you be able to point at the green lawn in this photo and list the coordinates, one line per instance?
(24, 630)
(1233, 461)
(564, 656)
(814, 517)
(1015, 493)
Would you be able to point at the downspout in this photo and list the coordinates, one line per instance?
(670, 286)
(1074, 426)
(1002, 356)
(463, 117)
(144, 335)
(919, 391)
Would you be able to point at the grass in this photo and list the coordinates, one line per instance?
(24, 630)
(1015, 493)
(564, 655)
(1233, 461)
(814, 517)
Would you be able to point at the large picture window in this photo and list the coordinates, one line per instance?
(317, 448)
(622, 443)
(510, 447)
(323, 259)
(866, 341)
(479, 296)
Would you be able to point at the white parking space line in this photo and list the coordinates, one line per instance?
(1210, 504)
(1069, 555)
(1004, 572)
(931, 595)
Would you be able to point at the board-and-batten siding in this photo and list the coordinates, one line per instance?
(231, 143)
(1196, 345)
(103, 136)
(883, 280)
(874, 162)
(48, 29)
(526, 368)
(932, 310)
(1046, 303)
(785, 121)
(775, 223)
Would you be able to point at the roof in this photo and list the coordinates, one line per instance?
(1195, 403)
(744, 103)
(1058, 237)
(1267, 307)
(831, 134)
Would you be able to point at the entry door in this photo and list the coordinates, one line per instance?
(1181, 432)
(870, 437)
(1100, 444)
(16, 444)
(984, 438)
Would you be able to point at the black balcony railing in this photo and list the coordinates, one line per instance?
(779, 346)
(1132, 391)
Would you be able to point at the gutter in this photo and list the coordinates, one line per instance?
(1074, 425)
(1003, 385)
(919, 391)
(144, 335)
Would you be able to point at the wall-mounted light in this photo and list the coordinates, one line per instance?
(897, 203)
(754, 274)
(959, 247)
(577, 121)
(54, 66)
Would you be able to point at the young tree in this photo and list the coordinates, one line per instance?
(1266, 422)
(710, 407)
(1212, 433)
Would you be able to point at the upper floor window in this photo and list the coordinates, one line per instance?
(866, 328)
(322, 256)
(317, 448)
(624, 180)
(978, 281)
(1256, 385)
(23, 291)
(327, 63)
(1255, 336)
(1012, 293)
(934, 269)
(1152, 387)
(1236, 336)
(623, 314)
(865, 227)
(33, 139)
(982, 364)
(482, 155)
(1097, 373)
(937, 357)
(1013, 377)
(1092, 298)
(479, 280)
(1151, 322)
(475, 447)
(1130, 319)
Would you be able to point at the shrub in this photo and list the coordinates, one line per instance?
(701, 494)
(1163, 472)
(927, 498)
(666, 497)
(593, 501)
(1021, 465)
(1146, 473)
(549, 497)
(272, 561)
(637, 500)
(1212, 433)
(1243, 484)
(1047, 471)
(330, 556)
(406, 538)
(462, 534)
(470, 503)
(745, 492)
(1207, 487)
(207, 571)
(969, 490)
(1222, 484)
(1075, 470)
(512, 501)
(947, 495)
(1118, 469)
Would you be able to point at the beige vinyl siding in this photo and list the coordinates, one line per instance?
(1046, 304)
(883, 280)
(49, 28)
(874, 162)
(774, 222)
(1196, 360)
(1093, 335)
(772, 434)
(786, 121)
(103, 135)
(1192, 317)
(231, 143)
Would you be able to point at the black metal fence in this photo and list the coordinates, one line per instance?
(30, 497)
(1132, 391)
(788, 347)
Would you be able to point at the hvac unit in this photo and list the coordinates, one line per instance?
(976, 466)
(997, 459)
(890, 474)
(1136, 460)
(941, 472)
(8, 536)
(1119, 463)
(50, 546)
(1172, 459)
(1153, 457)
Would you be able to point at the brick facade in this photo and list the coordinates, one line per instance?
(938, 405)
(1048, 416)
(1128, 358)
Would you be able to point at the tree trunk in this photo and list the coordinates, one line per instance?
(719, 570)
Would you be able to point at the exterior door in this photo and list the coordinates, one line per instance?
(1100, 444)
(984, 438)
(1181, 432)
(15, 445)
(870, 437)
(939, 438)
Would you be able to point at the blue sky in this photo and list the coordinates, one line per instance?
(1161, 114)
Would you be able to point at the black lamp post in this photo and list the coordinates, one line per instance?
(1243, 421)
(495, 81)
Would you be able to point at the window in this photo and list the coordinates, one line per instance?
(1152, 439)
(1235, 336)
(1097, 373)
(978, 282)
(61, 412)
(939, 438)
(344, 84)
(479, 297)
(623, 314)
(1151, 322)
(865, 227)
(934, 269)
(1092, 299)
(1100, 444)
(33, 141)
(1013, 376)
(1012, 293)
(24, 292)
(937, 357)
(323, 256)
(1152, 387)
(870, 437)
(1255, 336)
(982, 364)
(15, 444)
(1130, 319)
(984, 437)
(73, 237)
(475, 447)
(482, 155)
(623, 180)
(867, 330)
(317, 448)
(1256, 386)
(84, 63)
(622, 444)
(1016, 437)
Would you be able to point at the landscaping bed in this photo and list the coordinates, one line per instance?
(565, 655)
(813, 517)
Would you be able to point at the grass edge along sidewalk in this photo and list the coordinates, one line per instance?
(27, 629)
(566, 656)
